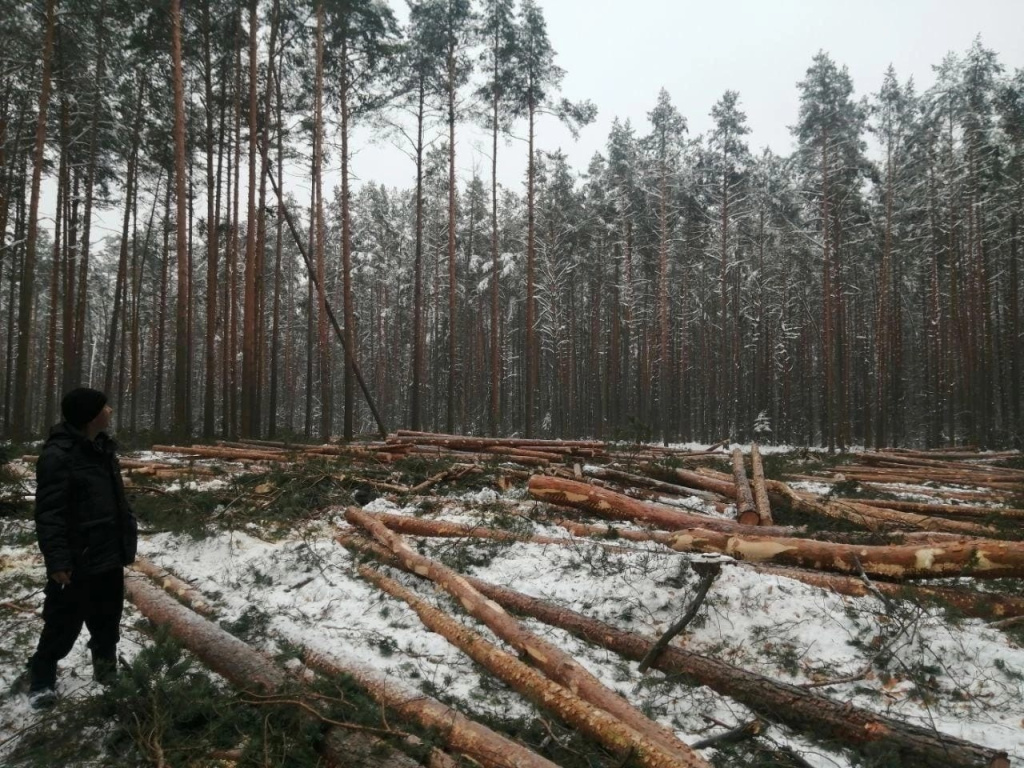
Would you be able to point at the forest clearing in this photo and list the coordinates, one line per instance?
(470, 421)
(451, 601)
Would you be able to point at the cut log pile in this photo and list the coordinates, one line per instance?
(714, 504)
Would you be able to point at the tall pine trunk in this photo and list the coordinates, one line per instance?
(19, 413)
(181, 428)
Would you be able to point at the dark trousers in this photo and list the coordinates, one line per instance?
(96, 601)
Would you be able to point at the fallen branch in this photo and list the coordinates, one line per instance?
(708, 573)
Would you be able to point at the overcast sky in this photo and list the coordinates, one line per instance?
(620, 53)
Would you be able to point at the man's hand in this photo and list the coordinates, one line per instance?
(61, 577)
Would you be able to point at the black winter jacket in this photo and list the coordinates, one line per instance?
(83, 521)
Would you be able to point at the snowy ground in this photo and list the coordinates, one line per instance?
(965, 679)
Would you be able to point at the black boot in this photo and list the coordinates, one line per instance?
(42, 683)
(104, 670)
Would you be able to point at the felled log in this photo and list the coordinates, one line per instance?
(408, 435)
(887, 459)
(232, 454)
(882, 474)
(643, 481)
(873, 518)
(460, 734)
(746, 512)
(980, 605)
(418, 526)
(175, 586)
(616, 506)
(799, 708)
(761, 502)
(248, 669)
(553, 661)
(595, 722)
(976, 558)
(946, 510)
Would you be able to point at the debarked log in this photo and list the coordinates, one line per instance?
(554, 662)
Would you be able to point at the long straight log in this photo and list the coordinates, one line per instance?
(791, 705)
(980, 605)
(460, 734)
(406, 435)
(643, 481)
(175, 586)
(764, 507)
(553, 661)
(977, 558)
(948, 510)
(248, 669)
(616, 506)
(233, 454)
(802, 709)
(591, 720)
(895, 459)
(746, 512)
(873, 518)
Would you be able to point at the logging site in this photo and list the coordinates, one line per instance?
(445, 600)
(511, 384)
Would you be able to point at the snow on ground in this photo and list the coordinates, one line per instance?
(964, 679)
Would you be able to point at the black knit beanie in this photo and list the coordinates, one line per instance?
(82, 405)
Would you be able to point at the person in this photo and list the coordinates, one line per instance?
(87, 533)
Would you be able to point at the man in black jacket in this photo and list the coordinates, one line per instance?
(87, 534)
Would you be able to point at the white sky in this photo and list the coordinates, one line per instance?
(619, 54)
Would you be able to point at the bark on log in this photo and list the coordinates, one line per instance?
(247, 669)
(643, 481)
(948, 510)
(977, 558)
(175, 586)
(232, 454)
(594, 721)
(801, 709)
(746, 512)
(795, 707)
(616, 506)
(980, 605)
(554, 662)
(764, 507)
(460, 734)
